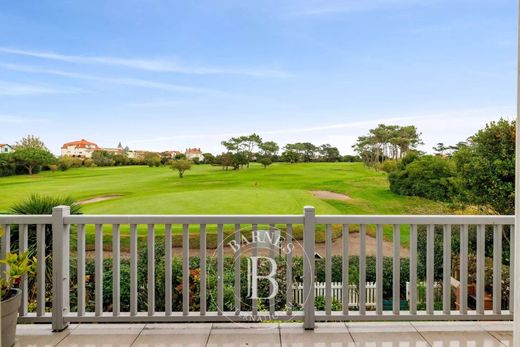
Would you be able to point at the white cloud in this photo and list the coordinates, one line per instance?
(135, 82)
(317, 7)
(157, 65)
(14, 119)
(20, 89)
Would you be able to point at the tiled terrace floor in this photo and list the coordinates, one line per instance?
(381, 334)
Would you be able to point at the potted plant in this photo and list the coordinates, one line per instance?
(18, 266)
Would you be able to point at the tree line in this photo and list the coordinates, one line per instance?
(478, 172)
(242, 150)
(387, 142)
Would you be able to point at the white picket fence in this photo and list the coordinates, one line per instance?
(337, 293)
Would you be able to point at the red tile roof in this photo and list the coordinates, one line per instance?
(81, 144)
(193, 151)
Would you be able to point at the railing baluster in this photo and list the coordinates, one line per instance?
(362, 269)
(116, 273)
(328, 269)
(446, 266)
(203, 269)
(379, 269)
(413, 269)
(254, 228)
(430, 238)
(512, 229)
(220, 269)
(133, 269)
(481, 235)
(98, 248)
(345, 271)
(271, 255)
(497, 269)
(396, 270)
(22, 247)
(6, 248)
(168, 269)
(463, 291)
(151, 269)
(185, 269)
(289, 293)
(237, 269)
(81, 268)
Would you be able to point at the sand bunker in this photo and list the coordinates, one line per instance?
(325, 194)
(99, 198)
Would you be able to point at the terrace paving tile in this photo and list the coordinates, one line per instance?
(324, 334)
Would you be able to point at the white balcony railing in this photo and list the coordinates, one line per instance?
(69, 234)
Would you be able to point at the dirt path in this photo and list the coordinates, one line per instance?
(99, 198)
(337, 248)
(325, 194)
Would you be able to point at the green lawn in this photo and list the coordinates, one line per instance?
(280, 189)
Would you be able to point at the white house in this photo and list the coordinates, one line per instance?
(192, 153)
(79, 149)
(5, 148)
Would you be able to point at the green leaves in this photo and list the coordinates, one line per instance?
(18, 266)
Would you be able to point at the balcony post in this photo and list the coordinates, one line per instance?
(516, 272)
(60, 267)
(309, 226)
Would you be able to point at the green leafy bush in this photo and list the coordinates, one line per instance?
(431, 177)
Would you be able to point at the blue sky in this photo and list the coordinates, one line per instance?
(174, 74)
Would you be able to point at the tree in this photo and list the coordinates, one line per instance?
(440, 149)
(387, 142)
(486, 167)
(31, 158)
(208, 158)
(268, 151)
(242, 148)
(269, 148)
(30, 141)
(152, 159)
(181, 166)
(290, 156)
(329, 153)
(351, 158)
(165, 157)
(265, 161)
(306, 151)
(102, 158)
(248, 144)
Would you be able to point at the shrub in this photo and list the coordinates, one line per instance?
(430, 177)
(65, 163)
(7, 165)
(88, 162)
(389, 166)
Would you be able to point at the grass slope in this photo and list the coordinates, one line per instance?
(280, 189)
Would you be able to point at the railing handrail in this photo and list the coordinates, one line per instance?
(415, 219)
(259, 219)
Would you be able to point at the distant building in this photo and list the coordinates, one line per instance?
(192, 153)
(136, 154)
(5, 148)
(79, 149)
(118, 150)
(173, 154)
